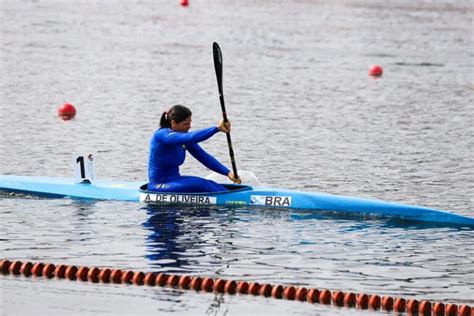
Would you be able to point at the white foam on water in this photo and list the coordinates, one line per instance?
(247, 177)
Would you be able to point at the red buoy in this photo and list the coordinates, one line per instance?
(66, 111)
(375, 71)
(184, 3)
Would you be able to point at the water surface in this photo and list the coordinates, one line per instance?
(305, 116)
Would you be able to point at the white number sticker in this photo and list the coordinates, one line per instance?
(84, 171)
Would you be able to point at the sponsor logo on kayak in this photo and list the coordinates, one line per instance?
(159, 198)
(270, 200)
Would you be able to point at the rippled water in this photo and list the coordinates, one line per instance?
(305, 116)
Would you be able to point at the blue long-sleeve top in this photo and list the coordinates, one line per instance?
(168, 152)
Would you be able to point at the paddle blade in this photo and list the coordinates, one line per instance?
(218, 64)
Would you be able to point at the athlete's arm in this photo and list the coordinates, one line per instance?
(206, 159)
(177, 138)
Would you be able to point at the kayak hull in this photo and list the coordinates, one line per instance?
(282, 198)
(238, 195)
(67, 188)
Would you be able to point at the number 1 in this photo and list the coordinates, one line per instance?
(80, 160)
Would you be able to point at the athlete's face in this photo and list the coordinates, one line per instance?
(183, 126)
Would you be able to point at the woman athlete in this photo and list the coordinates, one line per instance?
(168, 148)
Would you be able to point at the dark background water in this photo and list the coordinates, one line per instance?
(305, 116)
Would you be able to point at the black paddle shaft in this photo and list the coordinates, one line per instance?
(218, 66)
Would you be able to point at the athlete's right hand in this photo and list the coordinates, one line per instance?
(232, 177)
(224, 127)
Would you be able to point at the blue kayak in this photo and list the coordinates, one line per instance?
(238, 195)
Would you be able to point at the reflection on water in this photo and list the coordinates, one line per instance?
(384, 220)
(167, 230)
(186, 238)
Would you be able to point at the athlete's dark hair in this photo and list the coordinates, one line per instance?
(178, 113)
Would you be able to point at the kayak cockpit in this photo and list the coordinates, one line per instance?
(229, 186)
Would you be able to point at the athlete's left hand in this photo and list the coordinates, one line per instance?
(232, 178)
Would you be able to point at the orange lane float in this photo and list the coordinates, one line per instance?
(254, 287)
(184, 282)
(196, 283)
(37, 269)
(150, 279)
(207, 285)
(399, 305)
(277, 291)
(425, 308)
(219, 286)
(301, 294)
(289, 293)
(375, 302)
(242, 287)
(362, 301)
(15, 267)
(230, 287)
(350, 299)
(161, 279)
(26, 268)
(325, 297)
(48, 270)
(387, 303)
(128, 277)
(71, 272)
(60, 271)
(104, 275)
(93, 275)
(265, 290)
(312, 296)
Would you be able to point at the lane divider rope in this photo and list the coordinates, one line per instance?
(311, 295)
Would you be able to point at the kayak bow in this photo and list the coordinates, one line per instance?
(238, 195)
